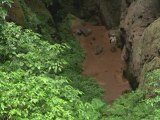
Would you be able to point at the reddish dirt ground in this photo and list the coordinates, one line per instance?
(105, 67)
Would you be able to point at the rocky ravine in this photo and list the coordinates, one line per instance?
(140, 48)
(101, 62)
(136, 16)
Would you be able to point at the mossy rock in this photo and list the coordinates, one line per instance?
(150, 50)
(39, 18)
(16, 14)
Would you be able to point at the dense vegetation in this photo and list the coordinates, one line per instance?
(142, 104)
(40, 79)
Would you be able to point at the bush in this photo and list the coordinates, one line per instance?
(143, 104)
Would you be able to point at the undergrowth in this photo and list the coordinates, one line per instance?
(42, 80)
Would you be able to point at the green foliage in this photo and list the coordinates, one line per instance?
(24, 50)
(129, 107)
(25, 96)
(35, 97)
(153, 77)
(40, 80)
(152, 85)
(142, 104)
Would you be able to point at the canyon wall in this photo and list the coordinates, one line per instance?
(110, 11)
(136, 16)
(106, 12)
(141, 49)
(150, 50)
(32, 14)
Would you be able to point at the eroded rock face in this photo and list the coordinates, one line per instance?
(84, 9)
(32, 14)
(150, 50)
(96, 11)
(136, 16)
(110, 12)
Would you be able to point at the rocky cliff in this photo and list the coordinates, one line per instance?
(136, 16)
(150, 49)
(32, 14)
(110, 12)
(140, 50)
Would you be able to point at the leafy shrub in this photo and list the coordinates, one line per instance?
(142, 104)
(25, 96)
(25, 49)
(152, 85)
(129, 107)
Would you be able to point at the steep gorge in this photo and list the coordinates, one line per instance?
(132, 17)
(136, 16)
(43, 75)
(101, 62)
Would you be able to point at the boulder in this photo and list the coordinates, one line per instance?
(86, 31)
(82, 31)
(150, 57)
(98, 50)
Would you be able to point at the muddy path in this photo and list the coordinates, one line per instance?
(103, 64)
